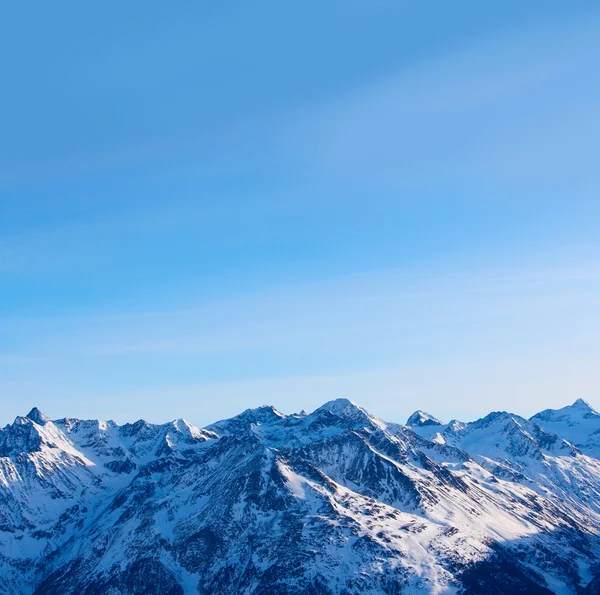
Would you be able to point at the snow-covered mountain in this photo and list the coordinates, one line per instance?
(335, 501)
(421, 418)
(578, 423)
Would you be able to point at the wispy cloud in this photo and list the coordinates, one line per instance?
(516, 110)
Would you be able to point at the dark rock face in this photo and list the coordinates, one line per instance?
(331, 502)
(501, 574)
(593, 587)
(143, 576)
(37, 416)
(21, 437)
(126, 466)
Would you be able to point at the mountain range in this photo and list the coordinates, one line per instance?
(332, 502)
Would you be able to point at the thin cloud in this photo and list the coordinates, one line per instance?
(498, 111)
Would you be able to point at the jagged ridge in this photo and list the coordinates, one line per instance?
(335, 501)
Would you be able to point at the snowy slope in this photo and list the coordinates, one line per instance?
(579, 423)
(336, 501)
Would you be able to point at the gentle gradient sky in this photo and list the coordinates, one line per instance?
(208, 206)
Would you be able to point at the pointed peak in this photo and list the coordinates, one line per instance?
(579, 408)
(455, 425)
(183, 426)
(180, 424)
(582, 404)
(421, 418)
(37, 416)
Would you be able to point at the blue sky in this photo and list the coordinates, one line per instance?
(210, 206)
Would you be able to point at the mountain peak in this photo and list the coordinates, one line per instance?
(421, 418)
(582, 404)
(348, 412)
(337, 406)
(264, 413)
(38, 417)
